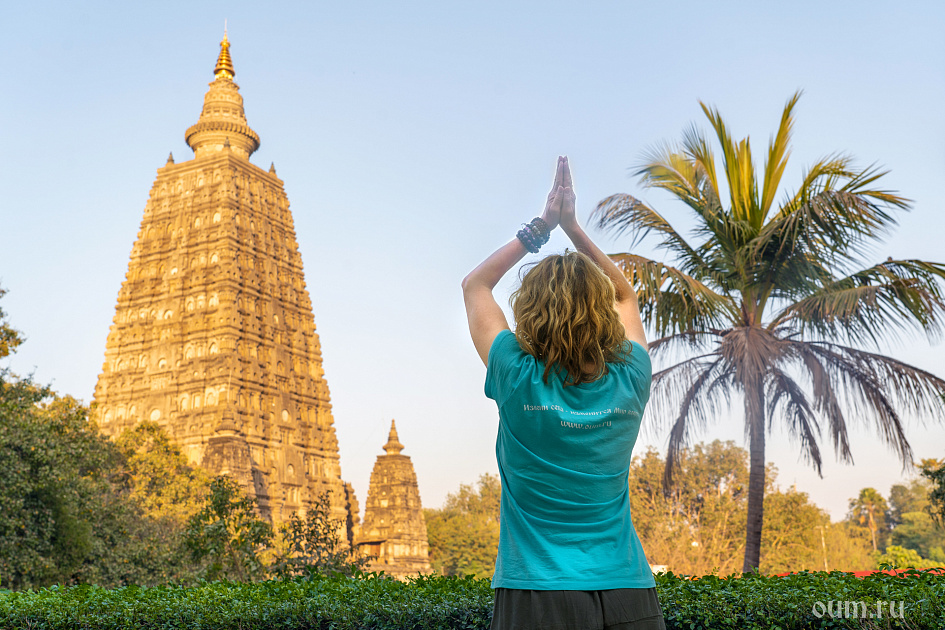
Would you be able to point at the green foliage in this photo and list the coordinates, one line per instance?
(897, 556)
(918, 531)
(159, 477)
(934, 471)
(55, 466)
(313, 545)
(791, 603)
(9, 338)
(227, 535)
(904, 498)
(75, 507)
(910, 524)
(371, 601)
(155, 478)
(464, 534)
(871, 511)
(368, 601)
(697, 526)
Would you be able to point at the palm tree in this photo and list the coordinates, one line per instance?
(770, 301)
(870, 509)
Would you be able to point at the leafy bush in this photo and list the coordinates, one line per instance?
(373, 601)
(228, 535)
(313, 545)
(902, 557)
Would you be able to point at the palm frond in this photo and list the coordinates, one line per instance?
(666, 385)
(697, 148)
(834, 209)
(722, 233)
(739, 170)
(821, 227)
(882, 300)
(801, 420)
(672, 301)
(910, 387)
(694, 340)
(699, 403)
(778, 154)
(825, 400)
(876, 384)
(673, 170)
(623, 213)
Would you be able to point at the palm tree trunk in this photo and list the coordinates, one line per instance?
(755, 416)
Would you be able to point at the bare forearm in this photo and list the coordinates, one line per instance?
(491, 270)
(585, 245)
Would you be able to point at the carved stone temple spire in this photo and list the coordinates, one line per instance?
(394, 529)
(393, 446)
(222, 123)
(214, 335)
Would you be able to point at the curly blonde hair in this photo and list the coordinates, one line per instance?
(565, 316)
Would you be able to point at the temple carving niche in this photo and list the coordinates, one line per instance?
(394, 530)
(213, 336)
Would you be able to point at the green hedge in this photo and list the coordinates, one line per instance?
(794, 601)
(371, 601)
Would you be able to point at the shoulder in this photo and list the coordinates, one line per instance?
(506, 366)
(637, 367)
(636, 356)
(504, 344)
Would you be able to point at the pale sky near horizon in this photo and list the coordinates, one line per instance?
(413, 140)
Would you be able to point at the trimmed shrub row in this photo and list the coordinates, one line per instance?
(371, 601)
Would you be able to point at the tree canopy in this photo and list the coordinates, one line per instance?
(696, 525)
(464, 534)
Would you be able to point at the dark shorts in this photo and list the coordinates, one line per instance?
(618, 609)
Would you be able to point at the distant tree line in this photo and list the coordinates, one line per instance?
(697, 526)
(907, 528)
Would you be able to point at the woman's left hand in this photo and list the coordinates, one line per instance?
(552, 212)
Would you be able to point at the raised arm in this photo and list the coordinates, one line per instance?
(627, 306)
(486, 319)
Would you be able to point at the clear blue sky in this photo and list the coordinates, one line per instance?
(416, 137)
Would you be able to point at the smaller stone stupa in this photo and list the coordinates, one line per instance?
(393, 530)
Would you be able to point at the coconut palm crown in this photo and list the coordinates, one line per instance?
(775, 302)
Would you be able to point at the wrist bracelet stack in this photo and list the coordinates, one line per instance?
(534, 234)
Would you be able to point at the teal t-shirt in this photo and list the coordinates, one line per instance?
(564, 458)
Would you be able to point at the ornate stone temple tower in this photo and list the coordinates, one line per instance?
(213, 336)
(394, 529)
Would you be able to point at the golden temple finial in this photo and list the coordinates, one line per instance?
(222, 124)
(393, 446)
(224, 65)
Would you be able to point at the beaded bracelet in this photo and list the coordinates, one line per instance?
(534, 235)
(544, 232)
(528, 240)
